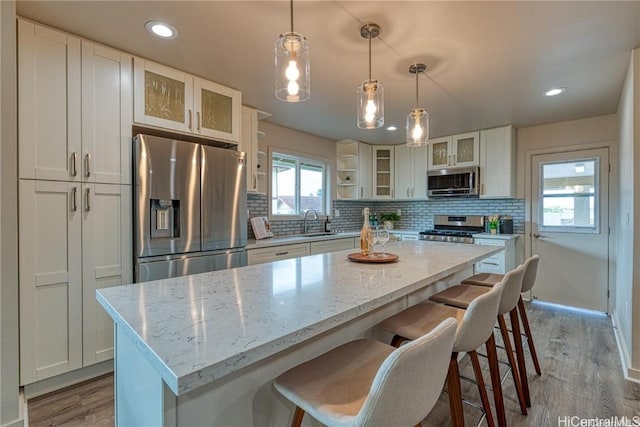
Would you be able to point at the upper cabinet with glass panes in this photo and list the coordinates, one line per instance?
(454, 151)
(171, 99)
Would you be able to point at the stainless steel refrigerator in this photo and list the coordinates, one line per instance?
(190, 208)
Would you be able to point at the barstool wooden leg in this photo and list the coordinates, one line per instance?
(494, 369)
(455, 393)
(481, 387)
(514, 367)
(522, 365)
(297, 417)
(527, 331)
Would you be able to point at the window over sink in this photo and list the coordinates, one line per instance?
(297, 184)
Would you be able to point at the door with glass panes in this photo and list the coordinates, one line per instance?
(570, 227)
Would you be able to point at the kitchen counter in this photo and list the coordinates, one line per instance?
(496, 236)
(192, 335)
(297, 238)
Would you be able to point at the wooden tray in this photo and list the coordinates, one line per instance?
(376, 257)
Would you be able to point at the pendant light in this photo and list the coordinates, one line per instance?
(370, 94)
(418, 118)
(292, 66)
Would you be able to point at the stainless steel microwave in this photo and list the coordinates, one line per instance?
(460, 182)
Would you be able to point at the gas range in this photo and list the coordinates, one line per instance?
(454, 228)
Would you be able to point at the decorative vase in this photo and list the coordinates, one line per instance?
(493, 230)
(388, 225)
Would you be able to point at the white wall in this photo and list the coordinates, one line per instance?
(10, 413)
(627, 304)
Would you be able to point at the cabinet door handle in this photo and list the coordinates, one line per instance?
(255, 181)
(481, 188)
(361, 192)
(281, 253)
(87, 165)
(88, 205)
(408, 192)
(190, 120)
(198, 120)
(454, 159)
(74, 164)
(74, 203)
(449, 160)
(490, 263)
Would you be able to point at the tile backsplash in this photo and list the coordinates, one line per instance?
(416, 215)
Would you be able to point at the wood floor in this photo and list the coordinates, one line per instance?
(581, 376)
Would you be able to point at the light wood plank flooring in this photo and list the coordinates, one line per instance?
(581, 376)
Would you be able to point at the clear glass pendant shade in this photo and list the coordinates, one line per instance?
(417, 127)
(370, 104)
(292, 83)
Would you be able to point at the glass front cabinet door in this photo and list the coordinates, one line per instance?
(171, 99)
(439, 152)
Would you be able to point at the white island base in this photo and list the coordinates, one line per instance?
(149, 394)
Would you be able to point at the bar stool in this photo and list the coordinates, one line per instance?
(462, 295)
(475, 327)
(369, 383)
(529, 279)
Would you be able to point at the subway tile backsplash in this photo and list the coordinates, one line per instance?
(416, 215)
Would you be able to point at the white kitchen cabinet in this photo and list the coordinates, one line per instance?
(50, 262)
(497, 163)
(59, 140)
(106, 261)
(353, 174)
(501, 262)
(333, 245)
(49, 103)
(410, 172)
(256, 159)
(107, 115)
(455, 151)
(74, 239)
(172, 99)
(383, 172)
(277, 253)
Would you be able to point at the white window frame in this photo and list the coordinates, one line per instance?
(595, 229)
(299, 158)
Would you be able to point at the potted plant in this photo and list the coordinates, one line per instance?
(388, 219)
(493, 223)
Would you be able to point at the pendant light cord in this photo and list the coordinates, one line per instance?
(291, 7)
(369, 55)
(417, 103)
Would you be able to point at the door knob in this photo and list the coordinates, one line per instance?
(538, 236)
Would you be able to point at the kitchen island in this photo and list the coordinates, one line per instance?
(203, 349)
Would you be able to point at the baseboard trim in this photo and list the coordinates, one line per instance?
(630, 374)
(48, 385)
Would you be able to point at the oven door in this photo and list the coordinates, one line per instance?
(453, 182)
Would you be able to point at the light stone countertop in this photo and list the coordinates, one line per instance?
(199, 328)
(496, 236)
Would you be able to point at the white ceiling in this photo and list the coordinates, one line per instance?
(488, 62)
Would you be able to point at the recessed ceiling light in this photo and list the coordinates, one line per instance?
(162, 30)
(392, 128)
(555, 91)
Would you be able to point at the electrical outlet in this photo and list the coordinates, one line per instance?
(336, 213)
(399, 212)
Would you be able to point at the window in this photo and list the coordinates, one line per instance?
(297, 184)
(569, 195)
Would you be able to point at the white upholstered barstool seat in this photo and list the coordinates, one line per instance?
(369, 383)
(475, 327)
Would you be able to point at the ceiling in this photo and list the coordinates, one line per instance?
(489, 63)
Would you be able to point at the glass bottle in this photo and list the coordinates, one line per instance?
(366, 229)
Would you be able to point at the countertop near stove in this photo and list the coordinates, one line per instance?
(496, 236)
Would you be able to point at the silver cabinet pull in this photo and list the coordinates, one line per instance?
(74, 164)
(198, 120)
(361, 192)
(408, 194)
(454, 160)
(481, 188)
(88, 205)
(255, 181)
(281, 253)
(490, 263)
(87, 165)
(74, 203)
(190, 119)
(538, 236)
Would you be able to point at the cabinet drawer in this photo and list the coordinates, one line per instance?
(492, 264)
(277, 253)
(327, 246)
(489, 242)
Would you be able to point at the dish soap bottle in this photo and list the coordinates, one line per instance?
(366, 229)
(327, 225)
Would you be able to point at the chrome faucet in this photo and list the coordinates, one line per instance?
(306, 213)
